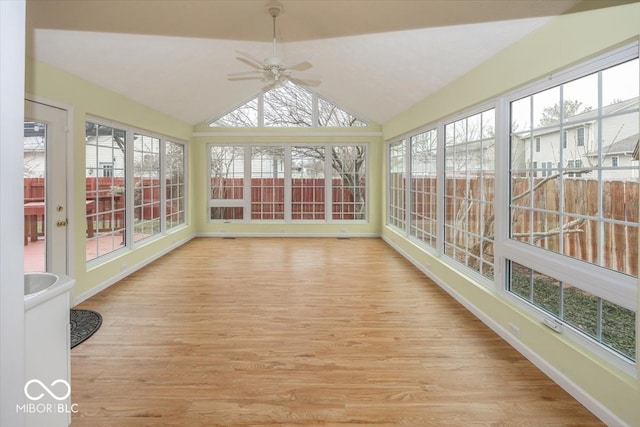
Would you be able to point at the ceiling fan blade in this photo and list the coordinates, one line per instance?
(249, 60)
(298, 63)
(304, 82)
(304, 75)
(246, 75)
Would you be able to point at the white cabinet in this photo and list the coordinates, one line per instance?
(47, 357)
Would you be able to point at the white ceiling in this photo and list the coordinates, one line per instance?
(375, 58)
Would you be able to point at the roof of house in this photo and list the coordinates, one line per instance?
(627, 146)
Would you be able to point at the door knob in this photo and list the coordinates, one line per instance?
(62, 223)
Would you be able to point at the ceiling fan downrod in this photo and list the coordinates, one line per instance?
(274, 10)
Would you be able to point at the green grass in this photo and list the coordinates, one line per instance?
(580, 309)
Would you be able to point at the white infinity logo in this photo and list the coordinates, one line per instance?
(52, 394)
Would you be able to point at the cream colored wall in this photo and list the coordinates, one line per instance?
(60, 88)
(565, 41)
(372, 136)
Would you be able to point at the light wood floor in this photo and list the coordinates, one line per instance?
(300, 331)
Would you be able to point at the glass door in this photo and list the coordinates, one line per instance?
(45, 197)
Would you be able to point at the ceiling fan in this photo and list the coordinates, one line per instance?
(274, 70)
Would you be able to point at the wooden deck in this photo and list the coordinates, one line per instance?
(238, 332)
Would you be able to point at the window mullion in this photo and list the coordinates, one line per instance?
(287, 183)
(315, 113)
(129, 188)
(502, 205)
(328, 181)
(440, 188)
(261, 110)
(407, 186)
(163, 184)
(600, 162)
(247, 183)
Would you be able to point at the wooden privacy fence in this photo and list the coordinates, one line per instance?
(618, 226)
(33, 190)
(469, 207)
(109, 197)
(307, 196)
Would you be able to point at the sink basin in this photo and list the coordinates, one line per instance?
(37, 282)
(40, 287)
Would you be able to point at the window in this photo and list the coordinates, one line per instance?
(267, 183)
(570, 165)
(349, 182)
(423, 188)
(578, 166)
(288, 106)
(396, 215)
(227, 170)
(146, 186)
(537, 144)
(469, 191)
(580, 219)
(565, 135)
(601, 320)
(317, 182)
(105, 145)
(308, 182)
(106, 169)
(614, 161)
(176, 190)
(574, 250)
(115, 222)
(580, 136)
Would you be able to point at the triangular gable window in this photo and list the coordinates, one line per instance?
(288, 106)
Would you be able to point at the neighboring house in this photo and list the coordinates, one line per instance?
(618, 155)
(617, 128)
(102, 158)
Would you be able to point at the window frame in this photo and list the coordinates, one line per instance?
(400, 194)
(128, 228)
(615, 161)
(589, 276)
(243, 203)
(476, 110)
(558, 266)
(258, 112)
(180, 187)
(435, 220)
(246, 202)
(139, 191)
(581, 136)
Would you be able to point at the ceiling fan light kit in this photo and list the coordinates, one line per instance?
(275, 70)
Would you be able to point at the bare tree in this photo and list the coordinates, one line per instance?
(552, 115)
(293, 106)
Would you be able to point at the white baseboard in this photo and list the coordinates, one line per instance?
(307, 235)
(124, 273)
(588, 401)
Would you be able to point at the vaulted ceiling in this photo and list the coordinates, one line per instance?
(375, 58)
